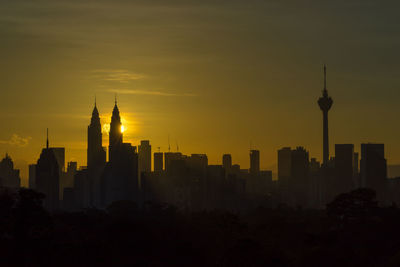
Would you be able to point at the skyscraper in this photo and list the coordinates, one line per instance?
(299, 178)
(115, 136)
(32, 176)
(95, 153)
(373, 167)
(197, 163)
(144, 156)
(344, 168)
(59, 153)
(227, 162)
(169, 157)
(96, 160)
(120, 176)
(325, 103)
(158, 161)
(284, 164)
(254, 162)
(48, 177)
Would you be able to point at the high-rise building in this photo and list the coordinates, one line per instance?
(116, 133)
(356, 171)
(120, 179)
(299, 164)
(227, 162)
(254, 162)
(82, 189)
(32, 176)
(96, 155)
(47, 177)
(197, 163)
(299, 178)
(314, 165)
(144, 156)
(59, 153)
(9, 177)
(284, 173)
(325, 103)
(284, 164)
(344, 168)
(158, 161)
(169, 157)
(295, 185)
(373, 170)
(67, 178)
(316, 185)
(96, 159)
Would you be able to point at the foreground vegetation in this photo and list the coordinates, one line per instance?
(352, 231)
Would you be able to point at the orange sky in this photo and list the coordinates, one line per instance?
(215, 76)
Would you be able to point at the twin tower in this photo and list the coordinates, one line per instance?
(96, 153)
(116, 179)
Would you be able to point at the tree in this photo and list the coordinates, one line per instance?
(122, 209)
(31, 220)
(355, 205)
(7, 202)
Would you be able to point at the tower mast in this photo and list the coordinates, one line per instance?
(325, 103)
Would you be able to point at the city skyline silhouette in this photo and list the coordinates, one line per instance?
(253, 66)
(199, 133)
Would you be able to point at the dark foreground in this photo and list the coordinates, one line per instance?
(353, 231)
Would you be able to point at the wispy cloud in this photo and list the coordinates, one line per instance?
(144, 92)
(17, 140)
(117, 75)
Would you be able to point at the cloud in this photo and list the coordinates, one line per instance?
(144, 92)
(106, 128)
(117, 75)
(17, 140)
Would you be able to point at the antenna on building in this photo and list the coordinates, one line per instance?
(47, 139)
(158, 149)
(177, 147)
(169, 145)
(324, 76)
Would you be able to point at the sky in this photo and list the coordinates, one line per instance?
(215, 76)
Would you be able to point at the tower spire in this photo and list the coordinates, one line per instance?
(169, 146)
(47, 139)
(324, 76)
(115, 98)
(325, 103)
(95, 101)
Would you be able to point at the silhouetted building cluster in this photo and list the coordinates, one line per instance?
(190, 183)
(307, 183)
(97, 185)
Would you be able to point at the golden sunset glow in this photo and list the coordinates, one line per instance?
(122, 128)
(246, 74)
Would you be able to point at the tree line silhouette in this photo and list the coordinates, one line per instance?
(352, 231)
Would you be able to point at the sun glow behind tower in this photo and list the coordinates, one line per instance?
(129, 126)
